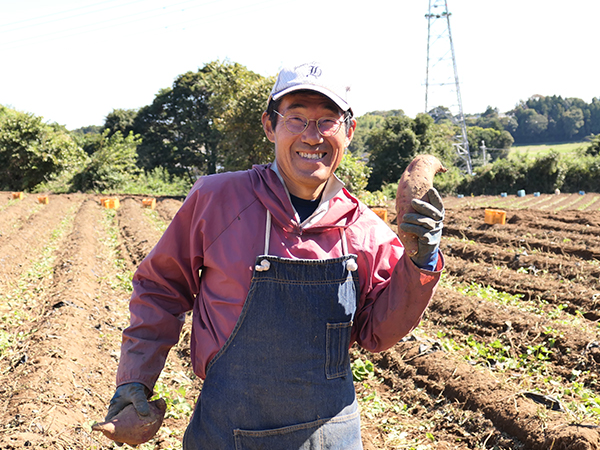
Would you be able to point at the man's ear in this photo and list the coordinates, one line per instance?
(268, 127)
(350, 132)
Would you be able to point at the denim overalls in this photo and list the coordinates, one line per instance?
(282, 381)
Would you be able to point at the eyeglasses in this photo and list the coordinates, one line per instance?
(297, 123)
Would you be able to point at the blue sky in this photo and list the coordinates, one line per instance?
(74, 61)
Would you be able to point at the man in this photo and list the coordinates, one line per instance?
(284, 270)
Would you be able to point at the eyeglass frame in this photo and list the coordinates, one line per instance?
(340, 121)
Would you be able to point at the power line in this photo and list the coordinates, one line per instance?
(31, 19)
(116, 22)
(113, 19)
(229, 12)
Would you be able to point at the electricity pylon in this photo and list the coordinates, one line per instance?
(441, 83)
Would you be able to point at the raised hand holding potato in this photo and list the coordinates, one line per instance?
(420, 209)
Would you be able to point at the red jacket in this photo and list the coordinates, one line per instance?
(204, 263)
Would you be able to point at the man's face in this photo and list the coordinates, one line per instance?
(307, 160)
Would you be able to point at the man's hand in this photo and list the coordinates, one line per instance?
(130, 393)
(427, 224)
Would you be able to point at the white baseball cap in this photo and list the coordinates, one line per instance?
(312, 76)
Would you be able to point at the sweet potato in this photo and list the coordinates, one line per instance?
(416, 180)
(129, 428)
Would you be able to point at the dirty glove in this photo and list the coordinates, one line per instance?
(130, 393)
(135, 393)
(427, 224)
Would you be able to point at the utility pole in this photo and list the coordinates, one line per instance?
(441, 82)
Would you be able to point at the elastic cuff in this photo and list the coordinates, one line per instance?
(429, 264)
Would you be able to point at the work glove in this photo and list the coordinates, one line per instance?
(130, 393)
(426, 223)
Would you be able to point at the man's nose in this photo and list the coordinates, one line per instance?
(311, 134)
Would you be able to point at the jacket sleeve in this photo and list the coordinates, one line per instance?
(394, 294)
(164, 287)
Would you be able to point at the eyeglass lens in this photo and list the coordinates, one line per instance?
(327, 126)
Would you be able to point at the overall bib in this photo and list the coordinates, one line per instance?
(282, 381)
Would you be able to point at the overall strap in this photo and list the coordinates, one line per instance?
(265, 264)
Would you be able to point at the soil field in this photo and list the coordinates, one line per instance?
(506, 357)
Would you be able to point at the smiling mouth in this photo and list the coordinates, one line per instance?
(313, 156)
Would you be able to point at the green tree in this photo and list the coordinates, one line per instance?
(365, 125)
(546, 173)
(436, 138)
(175, 128)
(392, 149)
(441, 114)
(111, 166)
(554, 119)
(90, 140)
(488, 119)
(400, 139)
(89, 129)
(243, 142)
(501, 176)
(572, 121)
(354, 173)
(532, 125)
(183, 128)
(32, 151)
(594, 147)
(492, 139)
(592, 121)
(122, 120)
(582, 174)
(509, 124)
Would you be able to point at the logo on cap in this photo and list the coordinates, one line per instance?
(315, 71)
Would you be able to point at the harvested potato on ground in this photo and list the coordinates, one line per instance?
(416, 180)
(129, 428)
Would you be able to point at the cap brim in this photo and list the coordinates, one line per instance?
(340, 102)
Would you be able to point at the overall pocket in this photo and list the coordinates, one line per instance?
(337, 433)
(337, 363)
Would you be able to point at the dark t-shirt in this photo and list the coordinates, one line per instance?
(304, 208)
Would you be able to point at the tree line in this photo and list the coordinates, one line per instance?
(544, 119)
(208, 121)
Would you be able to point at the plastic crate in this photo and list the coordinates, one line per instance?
(381, 212)
(494, 216)
(110, 202)
(149, 203)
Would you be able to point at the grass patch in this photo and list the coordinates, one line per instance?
(10, 203)
(155, 219)
(124, 275)
(589, 203)
(537, 150)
